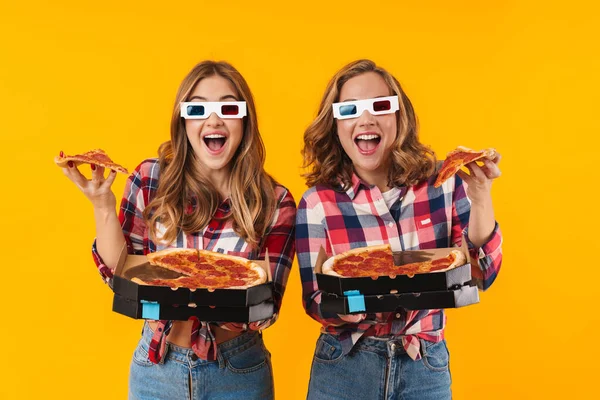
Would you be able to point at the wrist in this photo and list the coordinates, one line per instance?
(483, 201)
(104, 213)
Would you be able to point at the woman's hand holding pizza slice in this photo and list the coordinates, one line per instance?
(479, 179)
(109, 235)
(98, 188)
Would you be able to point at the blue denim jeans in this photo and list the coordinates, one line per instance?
(379, 369)
(242, 371)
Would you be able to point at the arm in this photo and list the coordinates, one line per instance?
(279, 242)
(479, 186)
(130, 225)
(473, 217)
(310, 237)
(98, 190)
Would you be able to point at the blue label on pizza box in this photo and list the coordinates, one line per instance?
(150, 310)
(356, 301)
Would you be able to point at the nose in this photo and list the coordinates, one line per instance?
(366, 119)
(214, 120)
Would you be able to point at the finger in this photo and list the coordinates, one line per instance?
(491, 169)
(112, 174)
(475, 171)
(497, 158)
(72, 172)
(464, 176)
(97, 173)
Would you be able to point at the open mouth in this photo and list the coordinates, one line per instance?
(367, 143)
(215, 142)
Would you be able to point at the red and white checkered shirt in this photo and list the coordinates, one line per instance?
(219, 236)
(422, 217)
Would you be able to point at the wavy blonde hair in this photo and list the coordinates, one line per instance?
(325, 158)
(186, 200)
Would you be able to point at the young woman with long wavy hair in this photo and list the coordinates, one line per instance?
(207, 189)
(371, 182)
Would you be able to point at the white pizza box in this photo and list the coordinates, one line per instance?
(427, 282)
(130, 266)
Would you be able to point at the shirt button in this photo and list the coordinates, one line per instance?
(397, 315)
(210, 229)
(194, 357)
(390, 224)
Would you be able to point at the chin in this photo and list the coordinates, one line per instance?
(370, 165)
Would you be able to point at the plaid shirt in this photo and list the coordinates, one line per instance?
(218, 236)
(423, 217)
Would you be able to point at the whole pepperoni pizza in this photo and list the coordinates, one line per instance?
(205, 269)
(374, 261)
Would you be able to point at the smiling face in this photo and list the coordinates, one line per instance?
(367, 139)
(214, 140)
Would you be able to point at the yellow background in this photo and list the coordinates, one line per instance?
(521, 76)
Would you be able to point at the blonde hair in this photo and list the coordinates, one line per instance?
(186, 200)
(328, 164)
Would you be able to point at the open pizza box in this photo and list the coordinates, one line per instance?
(428, 282)
(130, 266)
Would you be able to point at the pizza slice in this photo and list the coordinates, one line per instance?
(364, 261)
(176, 259)
(457, 159)
(98, 157)
(455, 259)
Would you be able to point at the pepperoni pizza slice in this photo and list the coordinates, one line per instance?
(98, 157)
(457, 159)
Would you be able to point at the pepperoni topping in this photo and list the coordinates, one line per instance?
(443, 261)
(207, 282)
(216, 273)
(236, 282)
(163, 282)
(354, 259)
(224, 263)
(192, 258)
(169, 260)
(380, 254)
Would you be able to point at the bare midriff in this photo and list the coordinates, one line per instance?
(181, 333)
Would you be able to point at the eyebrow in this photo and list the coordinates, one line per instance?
(376, 97)
(226, 97)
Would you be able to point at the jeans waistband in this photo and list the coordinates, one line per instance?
(225, 349)
(383, 345)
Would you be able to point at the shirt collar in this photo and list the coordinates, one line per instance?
(358, 184)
